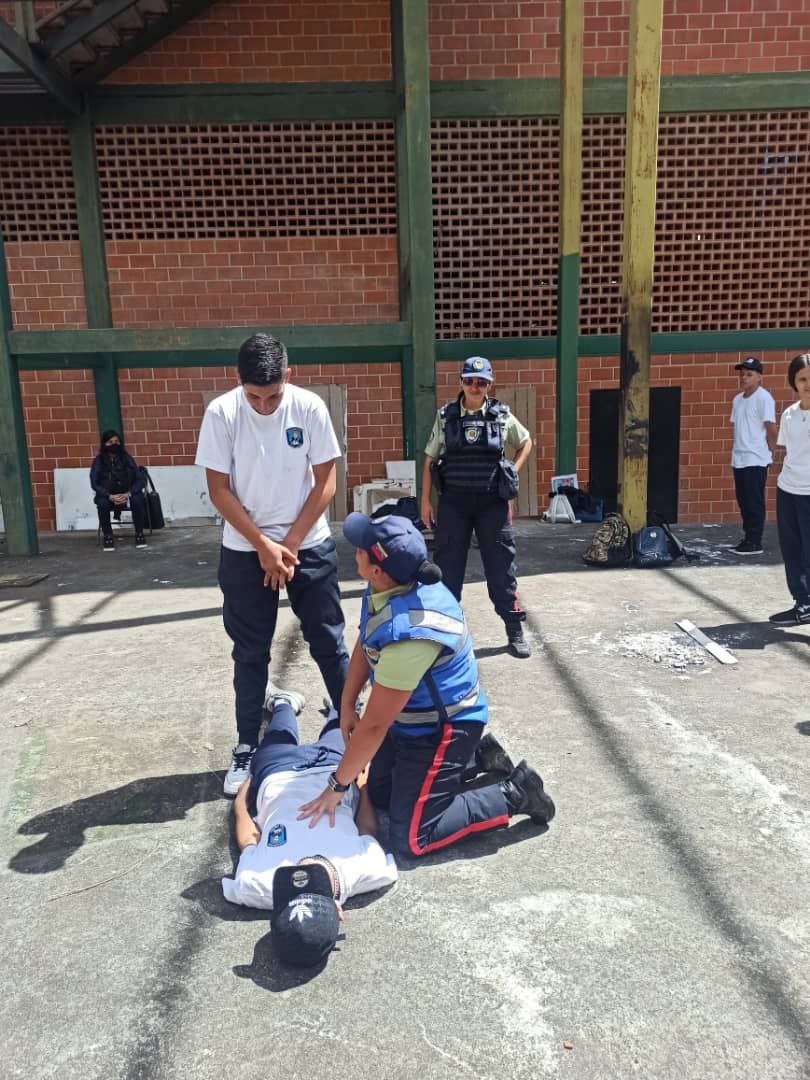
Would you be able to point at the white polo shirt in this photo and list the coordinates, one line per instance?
(269, 459)
(749, 416)
(361, 864)
(794, 435)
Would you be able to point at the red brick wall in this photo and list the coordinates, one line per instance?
(258, 41)
(231, 282)
(501, 40)
(312, 41)
(61, 428)
(47, 289)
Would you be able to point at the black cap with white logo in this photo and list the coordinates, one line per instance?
(305, 918)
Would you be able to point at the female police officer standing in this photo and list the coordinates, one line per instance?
(476, 482)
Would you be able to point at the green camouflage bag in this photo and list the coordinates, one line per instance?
(611, 543)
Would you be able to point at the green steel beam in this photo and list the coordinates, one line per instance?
(41, 355)
(266, 102)
(411, 72)
(46, 74)
(245, 104)
(301, 357)
(571, 80)
(91, 226)
(94, 265)
(15, 475)
(222, 340)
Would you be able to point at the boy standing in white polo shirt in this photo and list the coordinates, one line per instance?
(753, 415)
(270, 452)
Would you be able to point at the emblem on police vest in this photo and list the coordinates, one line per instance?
(295, 436)
(472, 434)
(277, 837)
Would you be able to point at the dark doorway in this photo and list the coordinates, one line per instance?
(665, 440)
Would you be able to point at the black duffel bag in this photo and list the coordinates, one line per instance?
(154, 510)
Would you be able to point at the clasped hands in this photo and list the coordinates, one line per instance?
(278, 561)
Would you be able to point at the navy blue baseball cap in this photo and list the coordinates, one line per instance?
(305, 918)
(477, 367)
(749, 364)
(394, 544)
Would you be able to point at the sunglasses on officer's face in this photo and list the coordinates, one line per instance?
(479, 384)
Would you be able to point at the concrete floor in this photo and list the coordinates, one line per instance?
(660, 926)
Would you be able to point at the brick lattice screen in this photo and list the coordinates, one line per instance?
(733, 248)
(733, 222)
(37, 195)
(248, 180)
(496, 224)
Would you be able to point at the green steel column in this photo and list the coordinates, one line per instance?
(641, 165)
(573, 24)
(15, 476)
(411, 73)
(94, 265)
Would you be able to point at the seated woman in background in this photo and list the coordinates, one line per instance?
(116, 480)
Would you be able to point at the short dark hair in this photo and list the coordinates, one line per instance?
(796, 365)
(262, 360)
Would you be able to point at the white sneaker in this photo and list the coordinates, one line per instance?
(240, 768)
(292, 697)
(295, 699)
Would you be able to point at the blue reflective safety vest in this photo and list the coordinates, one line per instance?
(449, 690)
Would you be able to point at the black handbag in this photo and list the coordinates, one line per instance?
(154, 510)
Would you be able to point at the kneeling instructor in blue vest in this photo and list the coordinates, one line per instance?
(423, 723)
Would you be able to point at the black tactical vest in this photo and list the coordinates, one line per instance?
(473, 447)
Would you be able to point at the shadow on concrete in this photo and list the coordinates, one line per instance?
(491, 650)
(111, 624)
(748, 630)
(478, 846)
(765, 978)
(269, 974)
(803, 727)
(148, 801)
(748, 635)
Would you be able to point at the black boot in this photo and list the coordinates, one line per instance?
(490, 757)
(524, 794)
(518, 645)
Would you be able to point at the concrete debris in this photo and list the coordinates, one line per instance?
(662, 647)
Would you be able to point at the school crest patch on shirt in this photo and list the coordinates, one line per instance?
(295, 436)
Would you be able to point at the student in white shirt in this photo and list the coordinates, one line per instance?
(753, 415)
(270, 452)
(271, 838)
(793, 495)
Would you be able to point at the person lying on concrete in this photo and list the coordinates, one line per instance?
(422, 726)
(116, 480)
(270, 836)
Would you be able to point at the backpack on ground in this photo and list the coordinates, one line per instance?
(611, 543)
(651, 547)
